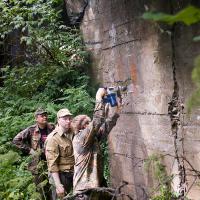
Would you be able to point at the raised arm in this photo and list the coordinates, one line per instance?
(102, 123)
(109, 123)
(98, 118)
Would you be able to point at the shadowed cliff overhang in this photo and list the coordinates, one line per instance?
(75, 10)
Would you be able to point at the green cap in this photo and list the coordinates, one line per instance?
(40, 111)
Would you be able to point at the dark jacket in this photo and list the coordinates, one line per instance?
(30, 138)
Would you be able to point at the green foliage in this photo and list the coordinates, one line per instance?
(194, 100)
(196, 38)
(163, 191)
(104, 147)
(44, 38)
(49, 73)
(189, 15)
(14, 179)
(165, 194)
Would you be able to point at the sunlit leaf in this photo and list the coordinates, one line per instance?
(189, 15)
(196, 38)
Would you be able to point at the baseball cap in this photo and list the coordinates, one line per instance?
(40, 111)
(63, 112)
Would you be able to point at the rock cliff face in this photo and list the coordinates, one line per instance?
(156, 65)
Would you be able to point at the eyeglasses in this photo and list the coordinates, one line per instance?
(66, 118)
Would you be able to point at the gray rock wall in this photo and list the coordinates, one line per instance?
(126, 50)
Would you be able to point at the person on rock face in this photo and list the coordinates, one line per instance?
(31, 142)
(59, 154)
(88, 168)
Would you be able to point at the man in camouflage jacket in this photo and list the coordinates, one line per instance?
(88, 168)
(31, 142)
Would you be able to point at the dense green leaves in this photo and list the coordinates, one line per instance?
(43, 36)
(163, 191)
(46, 69)
(194, 101)
(14, 178)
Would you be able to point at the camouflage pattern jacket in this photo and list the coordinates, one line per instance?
(88, 169)
(30, 138)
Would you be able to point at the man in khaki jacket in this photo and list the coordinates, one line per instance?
(59, 154)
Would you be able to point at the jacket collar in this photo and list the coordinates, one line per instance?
(37, 129)
(61, 132)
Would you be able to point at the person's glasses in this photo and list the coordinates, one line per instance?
(66, 118)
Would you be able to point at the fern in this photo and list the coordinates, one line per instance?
(51, 74)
